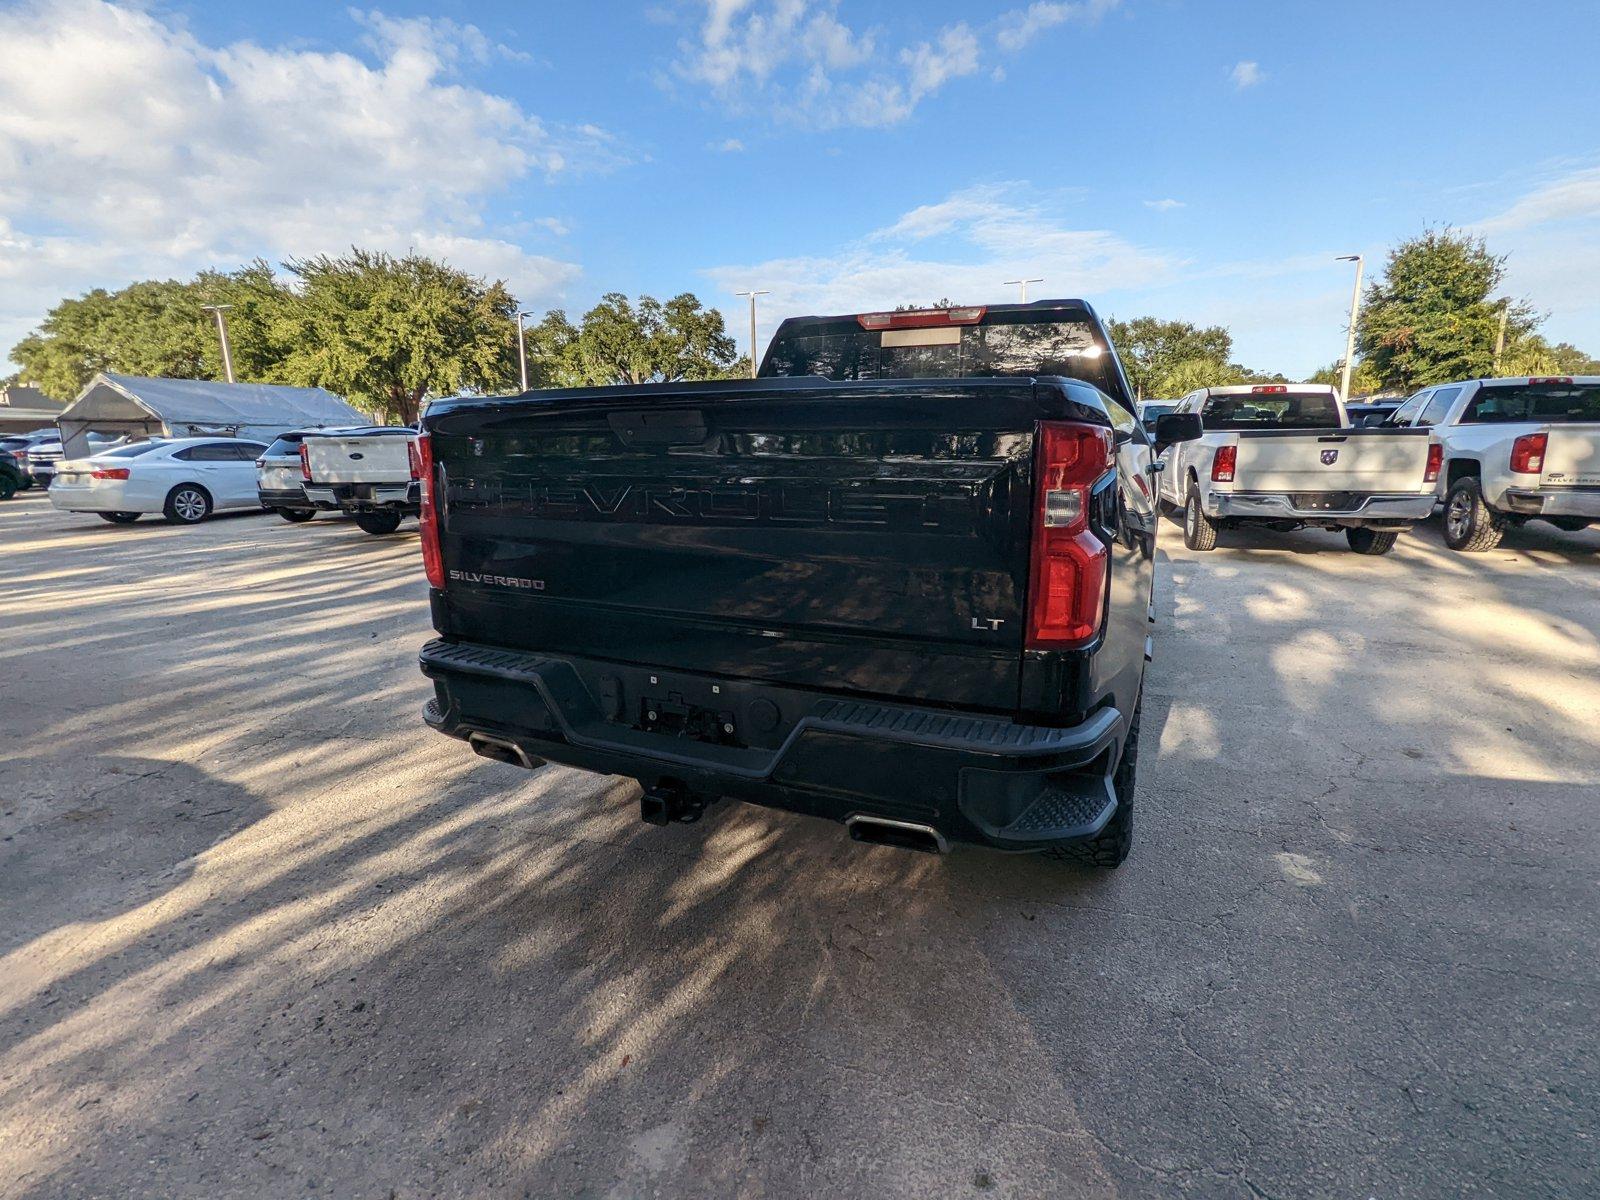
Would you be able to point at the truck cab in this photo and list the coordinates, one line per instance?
(901, 581)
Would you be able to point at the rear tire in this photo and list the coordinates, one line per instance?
(1109, 848)
(8, 487)
(378, 523)
(1370, 541)
(1199, 531)
(296, 515)
(120, 518)
(187, 504)
(1470, 525)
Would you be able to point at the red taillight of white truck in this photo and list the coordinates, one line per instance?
(1067, 575)
(305, 462)
(1224, 464)
(428, 517)
(1435, 461)
(1527, 453)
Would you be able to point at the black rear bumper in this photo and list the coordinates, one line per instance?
(972, 778)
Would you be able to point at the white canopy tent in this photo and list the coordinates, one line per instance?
(139, 407)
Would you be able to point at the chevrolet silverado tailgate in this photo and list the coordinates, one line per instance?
(1572, 456)
(1332, 460)
(868, 537)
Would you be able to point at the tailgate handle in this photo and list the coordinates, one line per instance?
(671, 427)
(1332, 437)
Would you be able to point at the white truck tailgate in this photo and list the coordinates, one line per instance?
(1334, 460)
(1572, 456)
(372, 459)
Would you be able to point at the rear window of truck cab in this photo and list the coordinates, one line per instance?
(1271, 410)
(1550, 403)
(1015, 343)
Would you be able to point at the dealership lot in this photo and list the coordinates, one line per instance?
(265, 934)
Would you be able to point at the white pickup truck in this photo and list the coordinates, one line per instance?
(1285, 456)
(1515, 450)
(369, 473)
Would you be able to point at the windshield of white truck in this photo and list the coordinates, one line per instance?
(1271, 410)
(1547, 403)
(995, 347)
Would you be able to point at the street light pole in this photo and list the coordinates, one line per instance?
(217, 310)
(522, 350)
(1023, 284)
(1500, 338)
(1350, 336)
(753, 296)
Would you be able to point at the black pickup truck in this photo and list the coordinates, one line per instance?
(902, 580)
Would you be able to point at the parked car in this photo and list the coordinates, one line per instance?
(369, 473)
(184, 479)
(279, 484)
(1152, 410)
(1515, 450)
(18, 444)
(1373, 411)
(1284, 456)
(11, 475)
(42, 456)
(902, 581)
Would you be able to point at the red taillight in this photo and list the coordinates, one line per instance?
(921, 318)
(428, 518)
(110, 473)
(1527, 453)
(1435, 461)
(305, 462)
(1270, 389)
(1067, 577)
(1550, 379)
(1222, 466)
(415, 457)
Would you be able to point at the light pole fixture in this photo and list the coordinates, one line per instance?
(217, 310)
(1023, 284)
(1350, 335)
(522, 349)
(753, 295)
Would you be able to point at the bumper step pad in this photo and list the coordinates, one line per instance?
(1059, 814)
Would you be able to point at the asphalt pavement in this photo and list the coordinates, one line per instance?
(262, 933)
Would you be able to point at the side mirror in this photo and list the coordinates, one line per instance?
(1173, 428)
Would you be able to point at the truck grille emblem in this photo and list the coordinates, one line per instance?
(1329, 457)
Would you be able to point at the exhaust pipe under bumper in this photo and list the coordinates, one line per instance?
(502, 750)
(881, 831)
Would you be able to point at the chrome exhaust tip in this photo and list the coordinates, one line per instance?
(502, 750)
(907, 835)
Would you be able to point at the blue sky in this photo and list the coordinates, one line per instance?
(1203, 160)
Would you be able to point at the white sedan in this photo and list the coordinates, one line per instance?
(184, 479)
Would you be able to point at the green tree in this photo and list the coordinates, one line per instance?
(1159, 357)
(158, 327)
(623, 342)
(1364, 380)
(1532, 355)
(1431, 319)
(384, 332)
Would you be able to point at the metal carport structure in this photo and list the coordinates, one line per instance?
(143, 407)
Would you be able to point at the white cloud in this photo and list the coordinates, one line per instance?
(1021, 26)
(1246, 74)
(1550, 236)
(729, 146)
(130, 148)
(800, 61)
(1572, 196)
(1166, 205)
(962, 247)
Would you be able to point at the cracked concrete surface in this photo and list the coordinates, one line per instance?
(262, 934)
